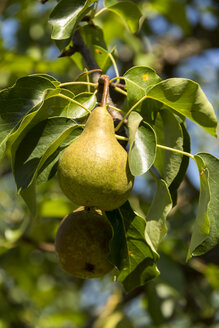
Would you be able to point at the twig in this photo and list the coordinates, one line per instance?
(43, 246)
(68, 53)
(118, 85)
(81, 47)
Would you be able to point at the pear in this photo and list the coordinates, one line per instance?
(93, 171)
(82, 243)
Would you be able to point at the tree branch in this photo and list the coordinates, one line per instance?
(81, 47)
(43, 246)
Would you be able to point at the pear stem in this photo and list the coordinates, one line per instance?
(105, 90)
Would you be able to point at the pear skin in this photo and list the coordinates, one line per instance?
(93, 171)
(82, 243)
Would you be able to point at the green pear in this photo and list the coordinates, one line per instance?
(93, 171)
(82, 243)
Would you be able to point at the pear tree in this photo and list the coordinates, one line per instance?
(75, 132)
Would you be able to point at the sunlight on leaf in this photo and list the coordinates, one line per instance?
(142, 141)
(186, 98)
(66, 15)
(128, 12)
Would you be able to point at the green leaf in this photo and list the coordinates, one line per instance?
(183, 167)
(74, 111)
(66, 15)
(142, 148)
(186, 98)
(92, 35)
(206, 228)
(52, 106)
(49, 78)
(128, 12)
(25, 96)
(135, 259)
(139, 80)
(49, 167)
(169, 133)
(94, 39)
(36, 147)
(29, 196)
(102, 57)
(156, 228)
(108, 3)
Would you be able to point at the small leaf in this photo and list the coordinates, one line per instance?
(128, 12)
(156, 228)
(142, 148)
(135, 258)
(74, 111)
(206, 228)
(139, 80)
(186, 98)
(92, 35)
(102, 57)
(66, 15)
(169, 133)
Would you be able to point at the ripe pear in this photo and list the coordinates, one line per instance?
(82, 243)
(93, 171)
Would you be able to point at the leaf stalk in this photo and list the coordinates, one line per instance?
(176, 151)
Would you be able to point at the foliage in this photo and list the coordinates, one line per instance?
(40, 116)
